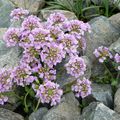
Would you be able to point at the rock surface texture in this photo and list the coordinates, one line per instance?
(67, 110)
(38, 115)
(9, 115)
(117, 101)
(31, 5)
(98, 111)
(5, 8)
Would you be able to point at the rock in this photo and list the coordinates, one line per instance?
(9, 57)
(63, 78)
(103, 93)
(103, 33)
(38, 115)
(31, 5)
(67, 110)
(115, 47)
(117, 101)
(46, 13)
(9, 115)
(5, 9)
(70, 99)
(115, 20)
(98, 111)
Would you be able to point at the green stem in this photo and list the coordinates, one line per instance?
(25, 100)
(108, 70)
(118, 76)
(38, 103)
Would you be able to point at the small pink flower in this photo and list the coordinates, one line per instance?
(82, 88)
(49, 92)
(12, 36)
(102, 53)
(18, 14)
(76, 66)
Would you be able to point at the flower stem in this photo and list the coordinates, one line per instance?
(38, 103)
(25, 100)
(118, 76)
(108, 70)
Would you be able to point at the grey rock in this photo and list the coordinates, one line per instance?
(66, 110)
(31, 5)
(5, 9)
(9, 115)
(38, 115)
(115, 47)
(98, 111)
(103, 93)
(46, 13)
(115, 20)
(70, 99)
(117, 101)
(103, 33)
(63, 78)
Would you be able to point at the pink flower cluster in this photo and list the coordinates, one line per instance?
(82, 88)
(102, 53)
(12, 36)
(18, 14)
(76, 66)
(49, 92)
(45, 45)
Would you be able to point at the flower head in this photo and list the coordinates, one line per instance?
(22, 75)
(32, 51)
(45, 72)
(40, 37)
(70, 43)
(18, 14)
(5, 81)
(3, 99)
(55, 33)
(52, 54)
(29, 60)
(102, 53)
(117, 60)
(82, 88)
(49, 92)
(31, 22)
(76, 26)
(56, 19)
(26, 39)
(12, 36)
(76, 66)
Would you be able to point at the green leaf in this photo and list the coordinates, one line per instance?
(114, 83)
(26, 88)
(91, 7)
(32, 93)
